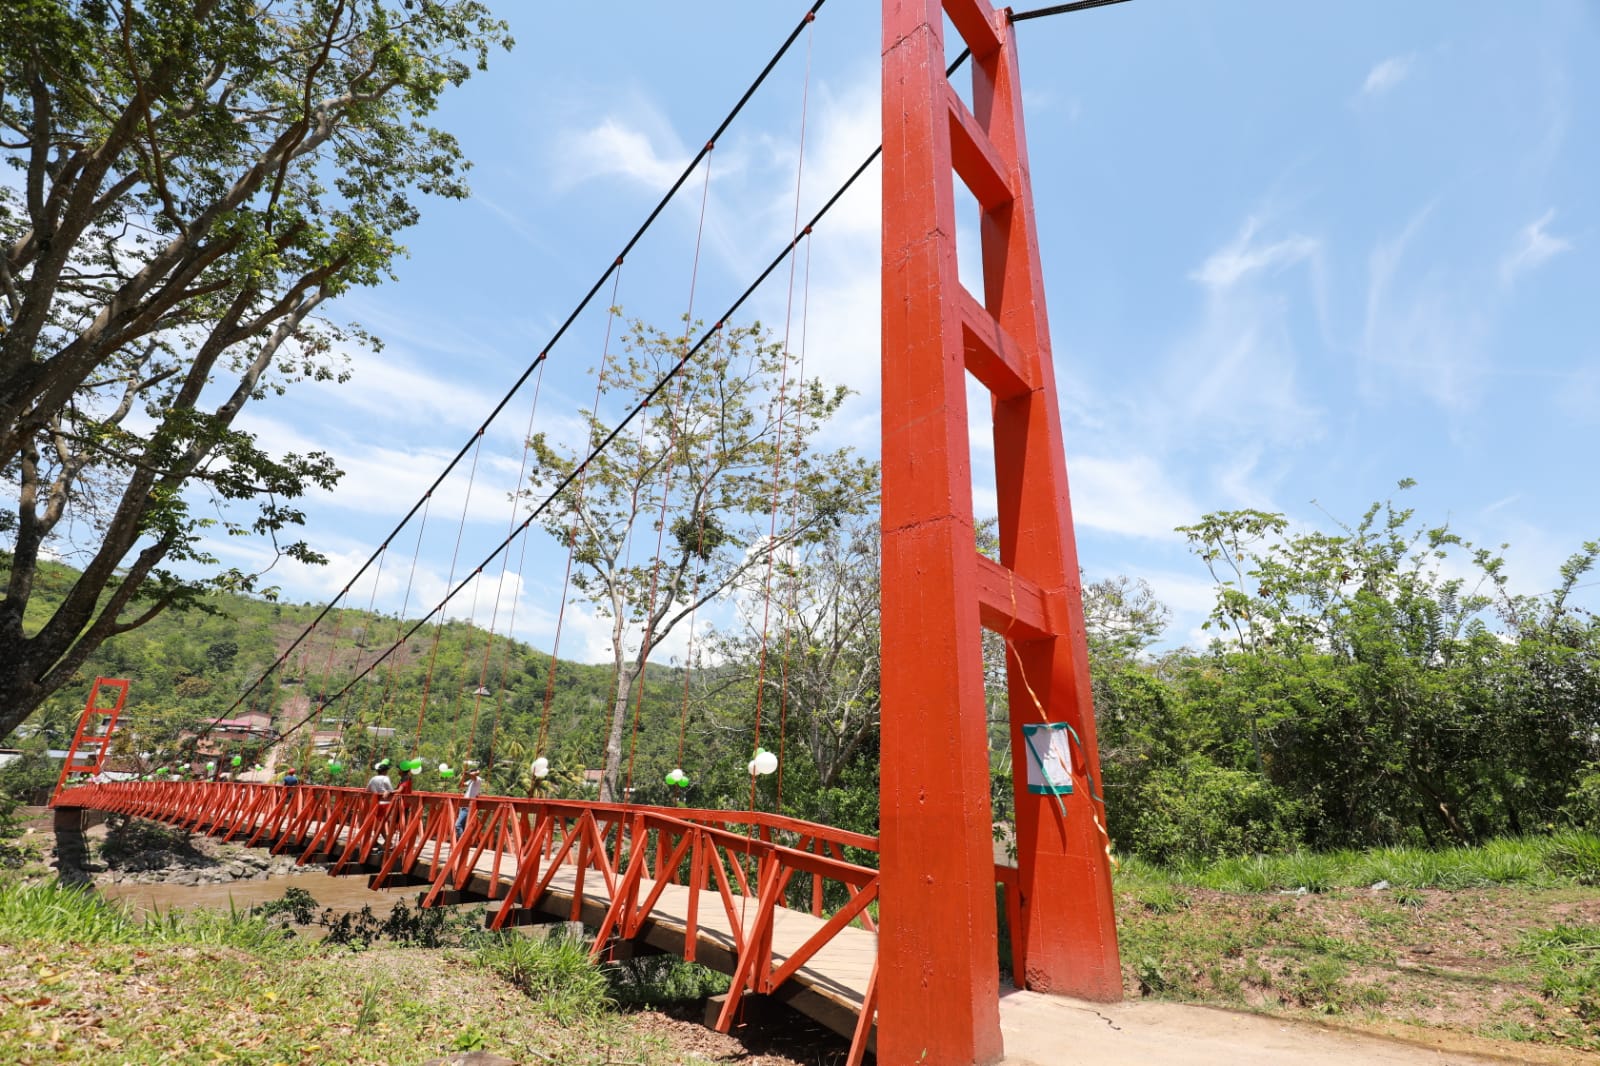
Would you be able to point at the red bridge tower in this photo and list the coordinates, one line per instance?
(938, 985)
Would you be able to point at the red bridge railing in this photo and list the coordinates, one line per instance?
(743, 867)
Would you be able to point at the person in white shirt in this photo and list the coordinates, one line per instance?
(470, 792)
(379, 781)
(380, 784)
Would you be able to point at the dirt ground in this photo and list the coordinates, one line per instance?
(1050, 1031)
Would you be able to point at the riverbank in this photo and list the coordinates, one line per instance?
(1503, 964)
(137, 969)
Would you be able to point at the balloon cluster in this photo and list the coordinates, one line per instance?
(677, 778)
(764, 763)
(335, 767)
(238, 760)
(541, 767)
(414, 765)
(445, 771)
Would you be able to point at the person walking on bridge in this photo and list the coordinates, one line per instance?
(470, 793)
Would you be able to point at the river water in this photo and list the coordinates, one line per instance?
(339, 893)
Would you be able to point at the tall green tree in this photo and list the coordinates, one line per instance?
(711, 444)
(1364, 664)
(821, 678)
(191, 181)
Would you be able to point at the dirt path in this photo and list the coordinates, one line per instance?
(1049, 1031)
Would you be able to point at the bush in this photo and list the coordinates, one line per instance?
(1582, 808)
(555, 972)
(1575, 855)
(1198, 810)
(20, 780)
(662, 980)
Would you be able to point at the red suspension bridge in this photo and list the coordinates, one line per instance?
(890, 940)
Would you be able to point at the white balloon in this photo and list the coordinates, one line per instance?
(541, 767)
(765, 762)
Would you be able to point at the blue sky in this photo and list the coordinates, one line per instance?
(1292, 252)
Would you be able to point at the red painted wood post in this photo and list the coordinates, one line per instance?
(937, 949)
(937, 983)
(1068, 929)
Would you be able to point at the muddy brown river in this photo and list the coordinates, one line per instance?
(340, 893)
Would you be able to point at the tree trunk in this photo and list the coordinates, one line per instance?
(611, 779)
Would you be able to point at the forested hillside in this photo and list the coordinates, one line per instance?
(1380, 683)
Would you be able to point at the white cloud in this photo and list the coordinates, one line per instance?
(1229, 265)
(614, 147)
(1130, 495)
(1532, 247)
(1233, 375)
(1423, 328)
(1388, 74)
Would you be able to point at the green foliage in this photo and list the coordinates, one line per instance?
(22, 779)
(554, 972)
(1196, 808)
(657, 981)
(191, 184)
(1567, 960)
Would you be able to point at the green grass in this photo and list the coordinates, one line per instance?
(1566, 959)
(1480, 940)
(88, 983)
(1570, 858)
(554, 972)
(49, 911)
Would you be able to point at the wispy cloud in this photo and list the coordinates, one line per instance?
(1233, 375)
(1132, 495)
(1243, 256)
(1388, 74)
(1429, 322)
(616, 147)
(1532, 247)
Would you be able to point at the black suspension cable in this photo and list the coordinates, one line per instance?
(787, 250)
(544, 352)
(1061, 9)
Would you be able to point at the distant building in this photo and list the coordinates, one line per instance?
(225, 735)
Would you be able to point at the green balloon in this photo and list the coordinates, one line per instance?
(238, 760)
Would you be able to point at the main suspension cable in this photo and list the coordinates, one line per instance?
(649, 397)
(544, 351)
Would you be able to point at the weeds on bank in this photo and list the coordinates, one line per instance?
(1566, 960)
(662, 981)
(1567, 858)
(85, 982)
(554, 972)
(50, 912)
(1387, 935)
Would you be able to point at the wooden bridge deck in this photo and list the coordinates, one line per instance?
(829, 988)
